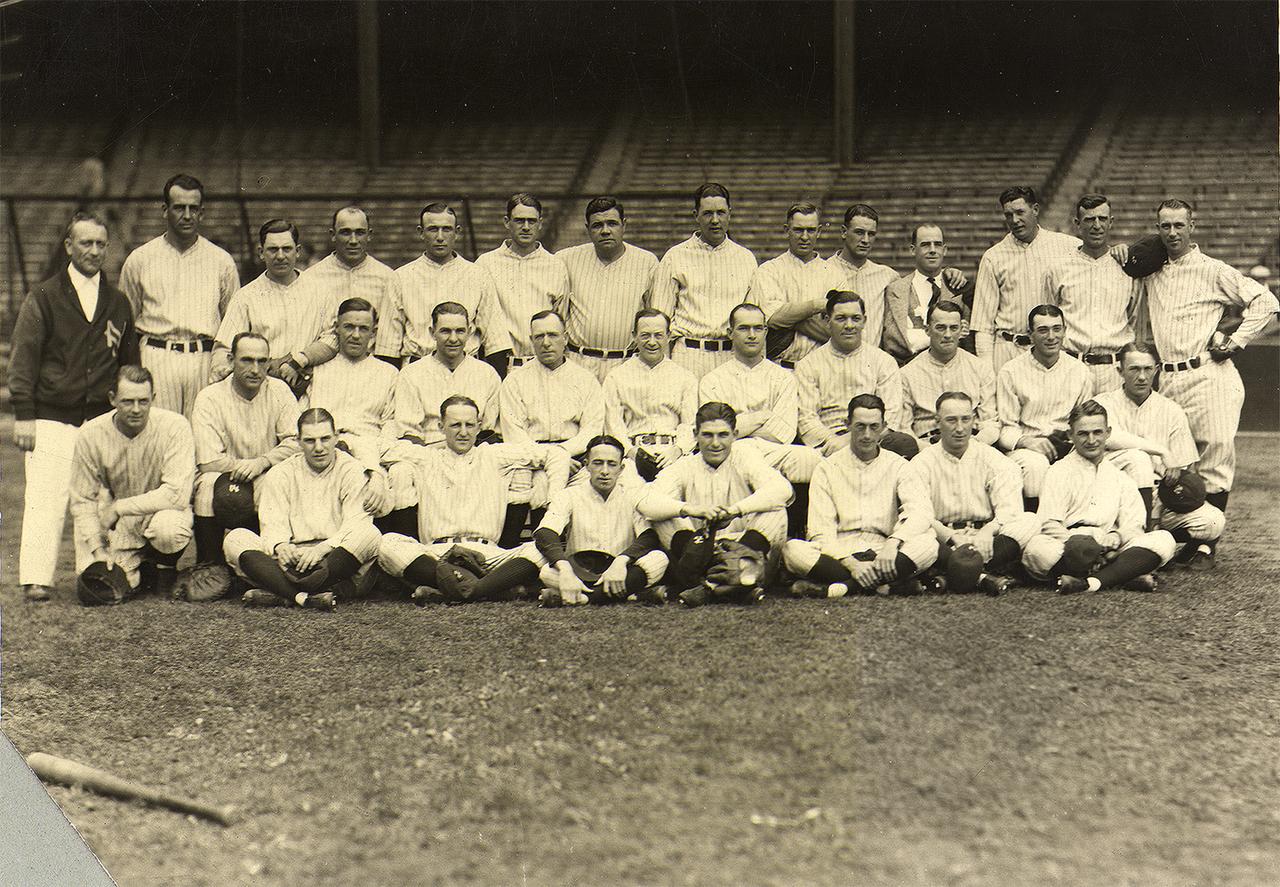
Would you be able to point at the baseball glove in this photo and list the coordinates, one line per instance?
(100, 585)
(1184, 495)
(1061, 441)
(203, 582)
(646, 464)
(964, 566)
(1147, 255)
(457, 572)
(734, 566)
(233, 502)
(1081, 555)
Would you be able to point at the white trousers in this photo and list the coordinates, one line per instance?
(178, 375)
(800, 555)
(396, 552)
(598, 366)
(1212, 397)
(697, 361)
(770, 524)
(44, 504)
(168, 532)
(1044, 551)
(795, 463)
(1105, 377)
(1034, 467)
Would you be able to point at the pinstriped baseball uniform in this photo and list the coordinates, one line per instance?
(424, 284)
(1010, 283)
(982, 485)
(149, 478)
(869, 282)
(594, 523)
(283, 314)
(1186, 299)
(603, 301)
(1098, 302)
(784, 283)
(639, 399)
(564, 404)
(226, 428)
(1157, 419)
(359, 394)
(424, 384)
(178, 296)
(925, 378)
(829, 379)
(332, 282)
(1032, 399)
(697, 285)
(526, 285)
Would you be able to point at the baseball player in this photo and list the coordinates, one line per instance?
(463, 491)
(596, 545)
(944, 366)
(1011, 277)
(1093, 526)
(844, 367)
(609, 281)
(721, 486)
(528, 278)
(909, 298)
(242, 426)
(766, 400)
(792, 289)
(860, 274)
(1151, 439)
(131, 477)
(179, 284)
(651, 401)
(976, 493)
(273, 305)
(870, 520)
(1098, 300)
(441, 275)
(547, 401)
(700, 279)
(73, 333)
(316, 532)
(349, 272)
(1035, 393)
(1186, 299)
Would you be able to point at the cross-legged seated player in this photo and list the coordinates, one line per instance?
(731, 493)
(976, 493)
(316, 533)
(598, 549)
(1092, 521)
(870, 520)
(464, 491)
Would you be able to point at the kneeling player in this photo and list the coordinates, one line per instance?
(976, 494)
(1092, 518)
(597, 547)
(870, 521)
(316, 533)
(733, 495)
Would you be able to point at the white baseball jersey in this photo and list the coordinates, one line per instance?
(1034, 399)
(359, 394)
(1011, 283)
(424, 284)
(1098, 301)
(1157, 419)
(884, 496)
(526, 285)
(925, 378)
(604, 298)
(783, 284)
(179, 295)
(1078, 493)
(563, 405)
(639, 399)
(869, 282)
(828, 379)
(593, 522)
(299, 505)
(425, 384)
(152, 472)
(697, 285)
(227, 427)
(982, 485)
(763, 388)
(283, 314)
(742, 480)
(332, 282)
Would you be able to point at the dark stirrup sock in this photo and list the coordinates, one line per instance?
(403, 521)
(829, 570)
(504, 577)
(421, 572)
(517, 515)
(1129, 563)
(1004, 554)
(265, 573)
(337, 565)
(208, 535)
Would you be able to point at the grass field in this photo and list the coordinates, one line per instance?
(1099, 739)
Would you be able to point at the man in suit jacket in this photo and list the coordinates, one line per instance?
(74, 331)
(909, 298)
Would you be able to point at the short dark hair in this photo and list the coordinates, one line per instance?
(443, 308)
(605, 440)
(1175, 203)
(866, 402)
(523, 198)
(1088, 408)
(1139, 348)
(1046, 310)
(454, 400)
(132, 372)
(650, 312)
(545, 313)
(355, 303)
(946, 305)
(603, 205)
(186, 183)
(952, 395)
(248, 334)
(744, 306)
(915, 232)
(1090, 201)
(860, 209)
(333, 222)
(1025, 192)
(715, 411)
(277, 226)
(438, 206)
(710, 189)
(841, 297)
(85, 216)
(316, 416)
(803, 209)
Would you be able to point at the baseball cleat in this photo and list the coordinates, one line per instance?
(992, 585)
(550, 598)
(256, 597)
(1145, 582)
(906, 588)
(425, 594)
(325, 602)
(808, 588)
(36, 592)
(933, 584)
(653, 596)
(1201, 560)
(1071, 585)
(695, 597)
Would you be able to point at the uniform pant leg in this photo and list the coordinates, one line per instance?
(1034, 466)
(1158, 542)
(1105, 377)
(1205, 524)
(1002, 352)
(169, 531)
(795, 463)
(44, 504)
(1212, 397)
(1137, 464)
(697, 361)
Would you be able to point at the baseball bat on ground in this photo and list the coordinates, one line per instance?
(60, 770)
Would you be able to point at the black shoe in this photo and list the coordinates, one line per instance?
(1071, 585)
(907, 588)
(695, 597)
(994, 586)
(324, 601)
(36, 593)
(1145, 582)
(1201, 560)
(425, 594)
(256, 597)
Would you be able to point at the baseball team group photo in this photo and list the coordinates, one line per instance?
(741, 480)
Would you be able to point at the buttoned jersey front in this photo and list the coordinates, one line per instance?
(640, 399)
(829, 378)
(697, 285)
(1078, 493)
(981, 485)
(1035, 399)
(333, 282)
(884, 496)
(868, 281)
(605, 296)
(526, 285)
(1098, 301)
(925, 378)
(765, 387)
(540, 404)
(425, 283)
(788, 280)
(179, 294)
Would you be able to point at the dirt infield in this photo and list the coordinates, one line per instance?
(1117, 738)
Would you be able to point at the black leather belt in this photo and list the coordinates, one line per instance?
(787, 364)
(707, 344)
(1193, 364)
(461, 538)
(181, 345)
(967, 524)
(600, 352)
(653, 438)
(553, 441)
(1092, 358)
(1016, 338)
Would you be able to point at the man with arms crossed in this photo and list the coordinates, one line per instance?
(944, 366)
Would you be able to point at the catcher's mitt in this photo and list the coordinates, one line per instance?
(457, 572)
(734, 567)
(100, 585)
(1184, 495)
(233, 502)
(1081, 556)
(964, 566)
(203, 582)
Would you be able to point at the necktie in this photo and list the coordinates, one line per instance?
(935, 292)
